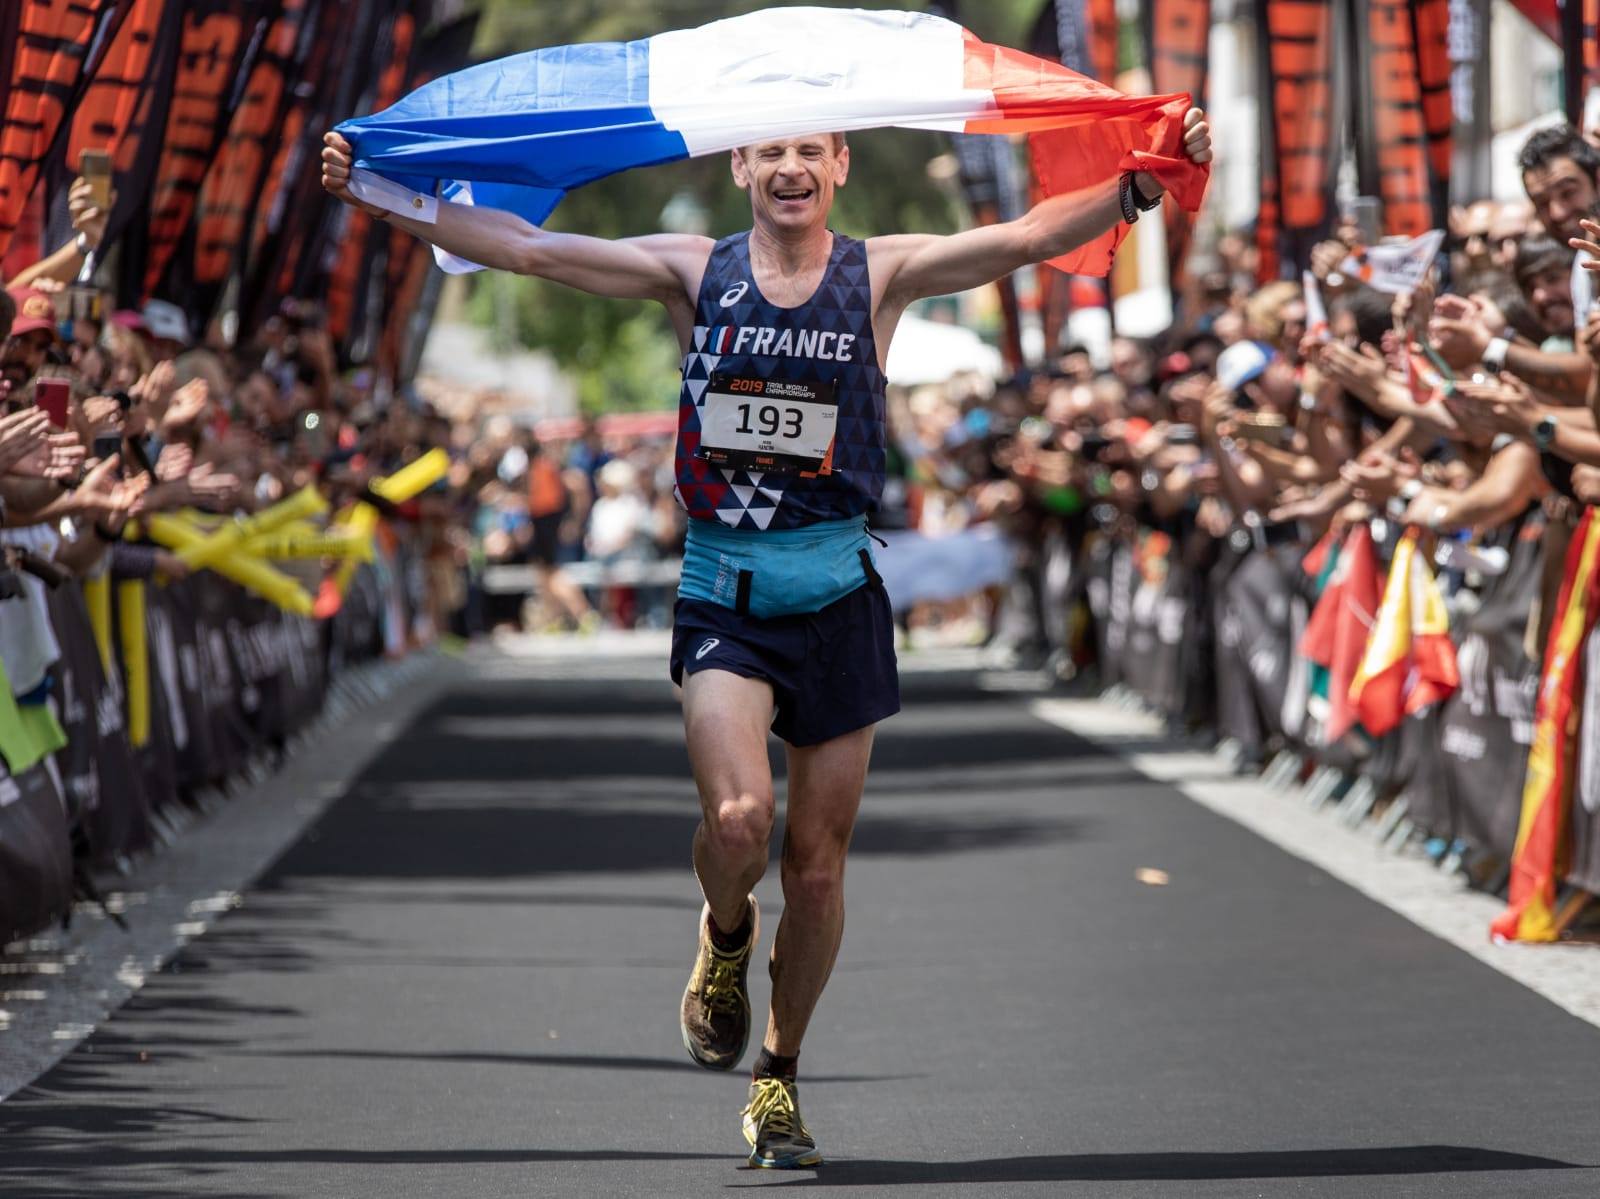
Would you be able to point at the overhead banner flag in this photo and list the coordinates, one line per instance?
(233, 186)
(124, 111)
(216, 35)
(1395, 267)
(521, 132)
(1298, 113)
(1177, 37)
(50, 50)
(1399, 132)
(1434, 67)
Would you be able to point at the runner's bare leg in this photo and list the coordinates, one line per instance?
(825, 784)
(726, 719)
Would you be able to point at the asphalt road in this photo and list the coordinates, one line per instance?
(463, 981)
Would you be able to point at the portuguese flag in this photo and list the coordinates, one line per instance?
(1336, 634)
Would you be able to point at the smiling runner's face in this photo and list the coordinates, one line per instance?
(791, 180)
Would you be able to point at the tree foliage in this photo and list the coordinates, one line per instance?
(622, 354)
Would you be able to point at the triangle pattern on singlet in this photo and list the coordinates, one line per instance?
(841, 304)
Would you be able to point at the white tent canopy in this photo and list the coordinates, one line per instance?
(925, 351)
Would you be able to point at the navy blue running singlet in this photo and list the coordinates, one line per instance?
(821, 350)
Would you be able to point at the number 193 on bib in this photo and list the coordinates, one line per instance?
(767, 424)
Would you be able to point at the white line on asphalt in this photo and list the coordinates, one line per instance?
(1567, 975)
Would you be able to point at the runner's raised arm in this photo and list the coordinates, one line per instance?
(662, 266)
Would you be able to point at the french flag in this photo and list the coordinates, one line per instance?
(520, 132)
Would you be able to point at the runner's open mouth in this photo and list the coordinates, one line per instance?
(792, 194)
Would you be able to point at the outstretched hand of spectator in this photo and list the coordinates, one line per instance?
(21, 435)
(1359, 372)
(1315, 505)
(87, 217)
(1589, 246)
(1507, 405)
(1458, 331)
(188, 404)
(174, 463)
(210, 486)
(1376, 478)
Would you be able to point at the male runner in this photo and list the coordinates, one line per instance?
(781, 623)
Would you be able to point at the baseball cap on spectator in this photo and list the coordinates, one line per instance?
(35, 311)
(166, 322)
(1242, 362)
(127, 318)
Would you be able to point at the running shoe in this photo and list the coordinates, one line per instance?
(715, 1016)
(779, 1138)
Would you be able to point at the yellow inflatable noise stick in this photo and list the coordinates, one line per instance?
(335, 543)
(410, 480)
(414, 477)
(135, 659)
(206, 551)
(250, 573)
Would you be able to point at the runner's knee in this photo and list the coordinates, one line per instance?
(812, 880)
(740, 824)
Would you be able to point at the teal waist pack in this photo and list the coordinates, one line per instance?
(777, 572)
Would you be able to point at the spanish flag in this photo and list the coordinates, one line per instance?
(1410, 661)
(1336, 634)
(1539, 858)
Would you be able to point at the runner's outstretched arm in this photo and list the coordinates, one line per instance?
(930, 265)
(662, 266)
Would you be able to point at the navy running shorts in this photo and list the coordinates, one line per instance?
(832, 672)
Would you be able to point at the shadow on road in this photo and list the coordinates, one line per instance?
(1177, 1167)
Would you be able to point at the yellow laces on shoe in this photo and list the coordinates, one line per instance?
(774, 1110)
(721, 988)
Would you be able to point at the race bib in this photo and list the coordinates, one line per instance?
(768, 424)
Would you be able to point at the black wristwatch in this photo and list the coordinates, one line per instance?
(1544, 432)
(1133, 200)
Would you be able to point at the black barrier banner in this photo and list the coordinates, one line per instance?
(50, 46)
(107, 801)
(233, 187)
(35, 852)
(216, 36)
(1177, 37)
(1486, 727)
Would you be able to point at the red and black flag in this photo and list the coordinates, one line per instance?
(217, 38)
(123, 111)
(1395, 163)
(48, 51)
(347, 293)
(1431, 29)
(1177, 37)
(1299, 155)
(234, 185)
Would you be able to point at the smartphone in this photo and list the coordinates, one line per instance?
(53, 395)
(106, 444)
(95, 166)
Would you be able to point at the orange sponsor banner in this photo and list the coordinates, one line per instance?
(50, 61)
(354, 250)
(232, 189)
(212, 43)
(1397, 119)
(1432, 30)
(1300, 98)
(1177, 40)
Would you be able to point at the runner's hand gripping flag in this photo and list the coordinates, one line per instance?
(520, 132)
